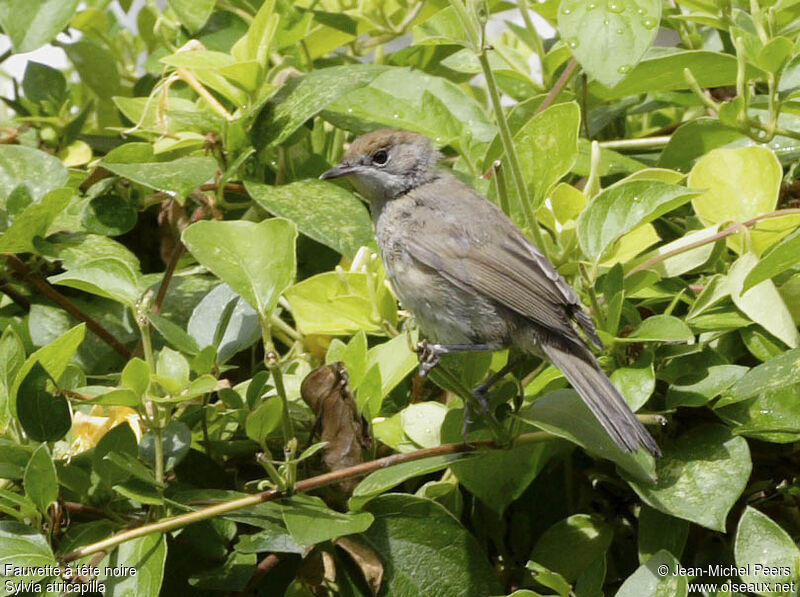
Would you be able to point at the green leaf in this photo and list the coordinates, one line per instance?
(444, 27)
(147, 555)
(737, 184)
(323, 211)
(44, 417)
(662, 70)
(762, 303)
(337, 303)
(136, 376)
(41, 480)
(393, 360)
(636, 382)
(193, 14)
(763, 548)
(31, 24)
(224, 320)
(684, 261)
(695, 139)
(34, 221)
(548, 147)
(780, 258)
(44, 83)
(109, 215)
(310, 521)
(261, 421)
(649, 579)
(777, 373)
(770, 416)
(697, 388)
(110, 278)
(447, 563)
(414, 100)
(96, 66)
(37, 171)
(256, 260)
(571, 545)
(660, 328)
(563, 413)
(422, 423)
(22, 546)
(271, 539)
(177, 178)
(384, 479)
(622, 207)
(176, 439)
(304, 97)
(54, 358)
(609, 39)
(173, 365)
(659, 531)
(701, 475)
(119, 440)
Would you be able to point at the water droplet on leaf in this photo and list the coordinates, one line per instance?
(625, 68)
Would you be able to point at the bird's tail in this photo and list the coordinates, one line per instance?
(603, 399)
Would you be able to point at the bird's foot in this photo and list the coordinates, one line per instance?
(429, 356)
(465, 425)
(481, 395)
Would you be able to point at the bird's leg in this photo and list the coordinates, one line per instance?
(481, 392)
(431, 354)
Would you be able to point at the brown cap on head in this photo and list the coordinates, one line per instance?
(383, 139)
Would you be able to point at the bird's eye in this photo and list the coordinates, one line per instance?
(380, 157)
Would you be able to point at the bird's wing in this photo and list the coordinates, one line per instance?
(506, 268)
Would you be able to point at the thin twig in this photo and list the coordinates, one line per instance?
(170, 271)
(559, 85)
(358, 470)
(264, 566)
(732, 229)
(54, 295)
(20, 299)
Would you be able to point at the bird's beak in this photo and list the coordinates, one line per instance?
(342, 169)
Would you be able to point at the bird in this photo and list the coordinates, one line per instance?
(470, 277)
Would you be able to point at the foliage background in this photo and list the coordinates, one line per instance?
(172, 271)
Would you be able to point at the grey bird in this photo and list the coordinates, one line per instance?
(470, 277)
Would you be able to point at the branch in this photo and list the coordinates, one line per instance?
(559, 85)
(732, 229)
(358, 470)
(54, 295)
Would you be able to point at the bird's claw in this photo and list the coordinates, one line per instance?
(429, 356)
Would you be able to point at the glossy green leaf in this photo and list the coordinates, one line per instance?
(621, 208)
(694, 139)
(224, 320)
(609, 38)
(697, 388)
(770, 416)
(177, 178)
(31, 24)
(109, 215)
(564, 413)
(447, 563)
(762, 303)
(766, 552)
(43, 83)
(106, 277)
(660, 328)
(304, 97)
(256, 260)
(335, 303)
(737, 184)
(700, 477)
(20, 546)
(34, 221)
(659, 531)
(649, 579)
(384, 479)
(775, 374)
(264, 419)
(571, 545)
(322, 211)
(44, 416)
(780, 258)
(119, 440)
(547, 147)
(193, 14)
(662, 70)
(310, 521)
(38, 171)
(176, 439)
(41, 480)
(147, 555)
(636, 382)
(54, 358)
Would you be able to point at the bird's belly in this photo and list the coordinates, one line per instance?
(445, 312)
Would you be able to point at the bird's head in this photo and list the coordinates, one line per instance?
(386, 163)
